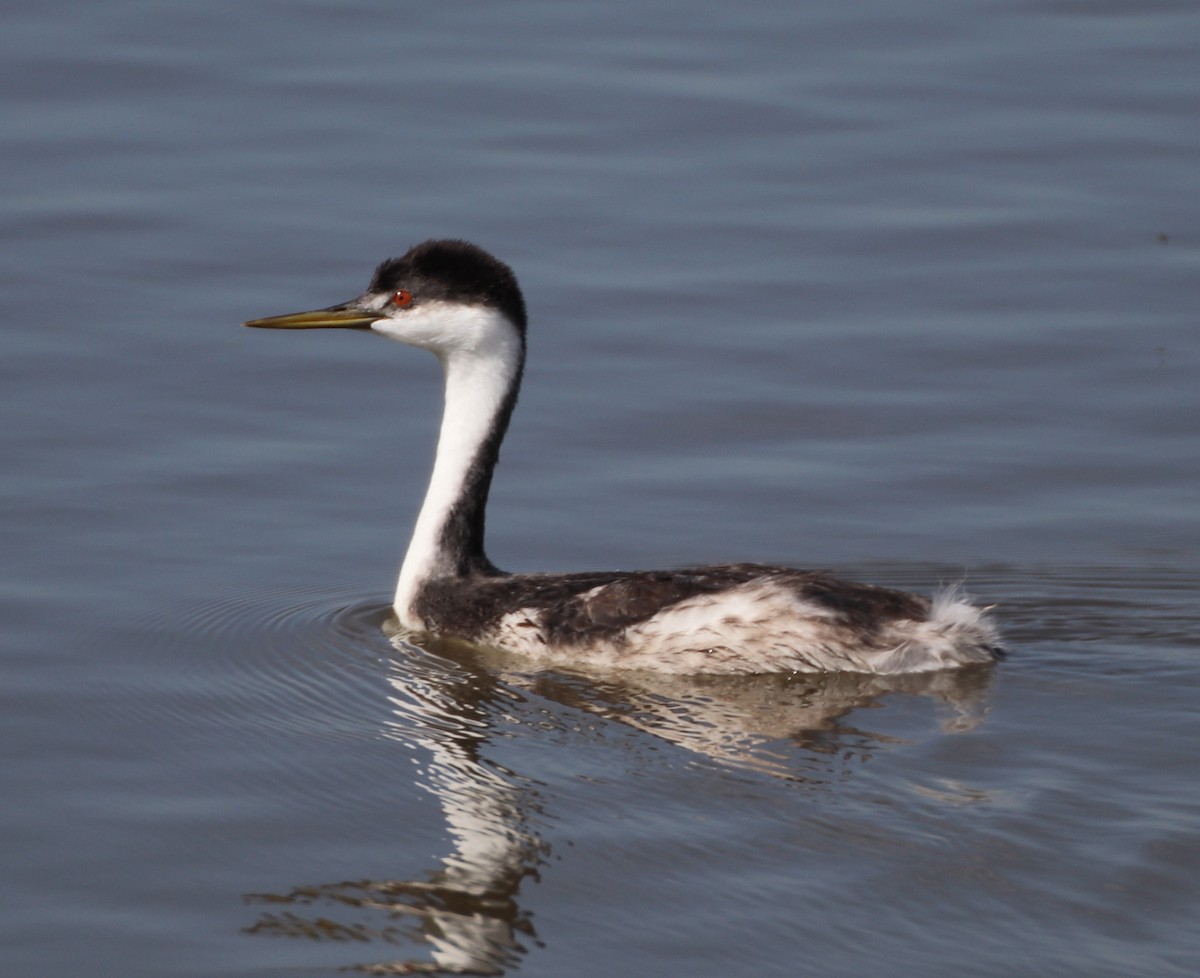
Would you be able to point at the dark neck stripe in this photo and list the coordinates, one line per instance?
(461, 542)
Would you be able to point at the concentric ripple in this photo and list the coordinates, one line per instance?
(273, 657)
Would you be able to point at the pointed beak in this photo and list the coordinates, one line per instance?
(346, 316)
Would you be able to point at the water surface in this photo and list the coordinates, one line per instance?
(906, 291)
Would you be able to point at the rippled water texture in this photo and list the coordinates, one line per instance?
(907, 291)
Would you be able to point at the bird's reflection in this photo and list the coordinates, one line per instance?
(466, 911)
(772, 723)
(447, 700)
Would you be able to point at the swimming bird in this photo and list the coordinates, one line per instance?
(465, 306)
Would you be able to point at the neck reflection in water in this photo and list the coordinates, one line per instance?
(447, 698)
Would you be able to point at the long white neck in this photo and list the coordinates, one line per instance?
(482, 378)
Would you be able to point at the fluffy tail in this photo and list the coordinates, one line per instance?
(968, 629)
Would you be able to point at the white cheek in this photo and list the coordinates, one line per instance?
(446, 328)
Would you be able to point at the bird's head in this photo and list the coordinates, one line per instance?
(443, 296)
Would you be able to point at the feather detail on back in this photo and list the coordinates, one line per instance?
(742, 618)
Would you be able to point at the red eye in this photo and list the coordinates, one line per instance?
(402, 298)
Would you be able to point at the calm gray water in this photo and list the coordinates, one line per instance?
(906, 290)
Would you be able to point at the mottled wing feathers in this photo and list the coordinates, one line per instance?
(574, 608)
(861, 605)
(626, 601)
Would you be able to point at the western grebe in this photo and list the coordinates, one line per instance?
(463, 305)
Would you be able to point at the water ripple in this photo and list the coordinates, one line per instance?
(274, 658)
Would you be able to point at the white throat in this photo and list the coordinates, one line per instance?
(481, 353)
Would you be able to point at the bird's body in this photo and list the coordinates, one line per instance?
(459, 302)
(731, 618)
